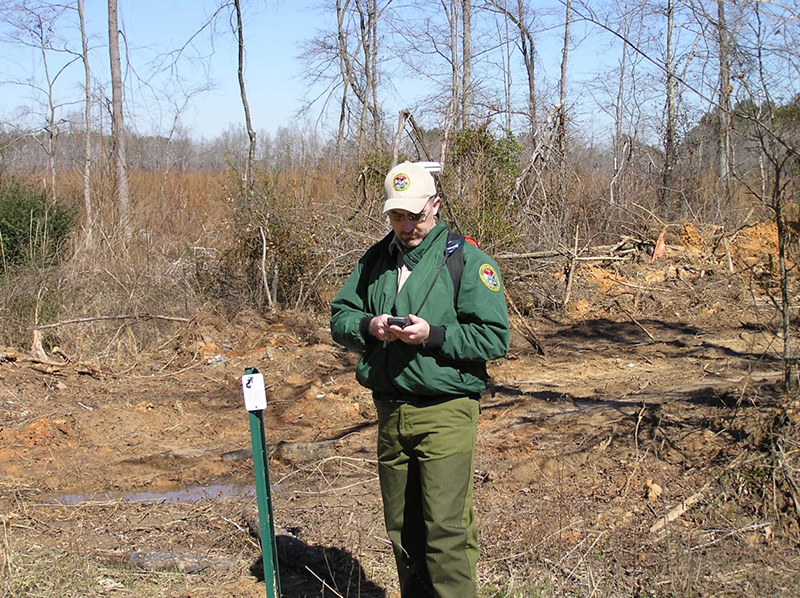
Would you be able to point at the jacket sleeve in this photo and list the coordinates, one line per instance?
(349, 318)
(482, 332)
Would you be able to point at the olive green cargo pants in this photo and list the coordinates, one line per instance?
(426, 462)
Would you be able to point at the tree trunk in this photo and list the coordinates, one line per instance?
(507, 51)
(452, 115)
(786, 304)
(561, 127)
(118, 123)
(87, 155)
(344, 71)
(364, 45)
(669, 131)
(466, 59)
(42, 31)
(402, 117)
(529, 56)
(341, 129)
(373, 74)
(251, 134)
(619, 143)
(725, 162)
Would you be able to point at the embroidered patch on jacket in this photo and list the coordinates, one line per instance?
(401, 182)
(489, 277)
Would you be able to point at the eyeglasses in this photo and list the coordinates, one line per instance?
(419, 217)
(395, 217)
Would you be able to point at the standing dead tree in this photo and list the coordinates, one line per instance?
(776, 131)
(725, 161)
(670, 114)
(359, 64)
(458, 16)
(87, 115)
(466, 60)
(527, 48)
(561, 123)
(34, 25)
(346, 61)
(118, 123)
(251, 134)
(626, 105)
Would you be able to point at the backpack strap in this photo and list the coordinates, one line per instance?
(454, 258)
(454, 252)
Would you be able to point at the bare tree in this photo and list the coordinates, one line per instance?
(369, 33)
(87, 157)
(619, 146)
(118, 123)
(35, 25)
(527, 47)
(42, 34)
(777, 139)
(670, 114)
(561, 123)
(251, 134)
(625, 100)
(347, 62)
(452, 114)
(343, 62)
(466, 59)
(458, 14)
(725, 162)
(366, 90)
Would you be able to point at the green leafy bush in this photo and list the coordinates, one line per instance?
(480, 182)
(32, 231)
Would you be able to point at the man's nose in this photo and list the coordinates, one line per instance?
(408, 225)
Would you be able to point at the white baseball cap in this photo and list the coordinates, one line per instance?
(408, 186)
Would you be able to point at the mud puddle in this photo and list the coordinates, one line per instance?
(210, 492)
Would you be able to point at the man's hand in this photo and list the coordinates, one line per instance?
(379, 328)
(415, 333)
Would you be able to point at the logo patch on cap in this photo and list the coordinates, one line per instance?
(489, 277)
(401, 182)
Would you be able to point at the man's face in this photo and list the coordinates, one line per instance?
(411, 231)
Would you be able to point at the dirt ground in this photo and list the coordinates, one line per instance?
(649, 452)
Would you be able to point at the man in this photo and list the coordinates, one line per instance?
(426, 377)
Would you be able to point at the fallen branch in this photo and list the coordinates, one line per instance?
(163, 561)
(40, 355)
(103, 318)
(600, 250)
(637, 286)
(602, 258)
(678, 511)
(303, 451)
(748, 528)
(528, 332)
(531, 255)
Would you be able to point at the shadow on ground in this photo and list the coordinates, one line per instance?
(319, 571)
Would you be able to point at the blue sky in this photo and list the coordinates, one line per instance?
(272, 35)
(274, 32)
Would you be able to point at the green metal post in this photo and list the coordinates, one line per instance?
(269, 547)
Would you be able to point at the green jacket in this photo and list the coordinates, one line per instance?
(462, 339)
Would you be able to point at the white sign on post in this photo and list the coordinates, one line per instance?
(255, 395)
